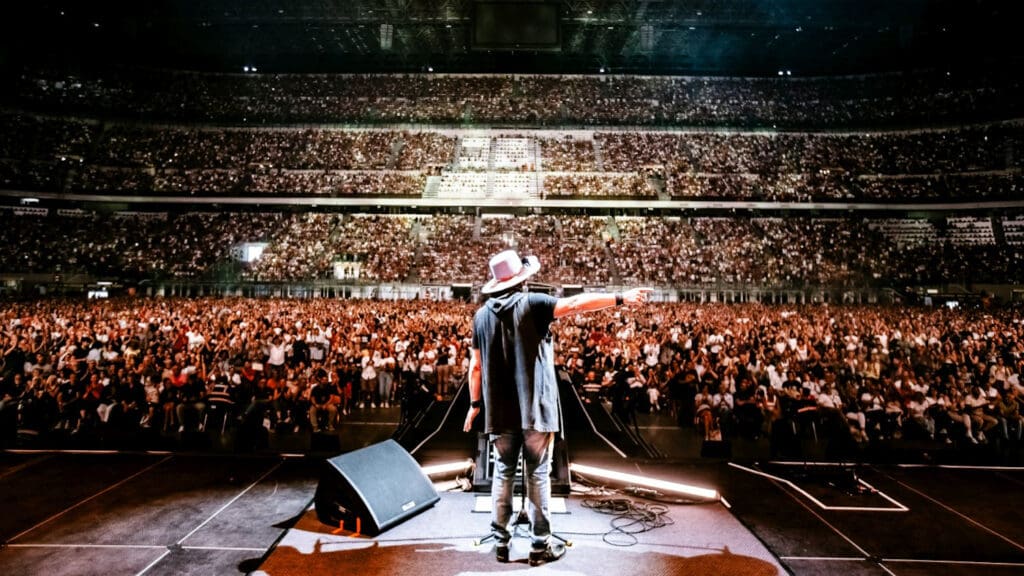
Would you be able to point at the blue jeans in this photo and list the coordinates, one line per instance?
(536, 449)
(384, 382)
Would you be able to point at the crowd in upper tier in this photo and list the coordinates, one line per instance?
(848, 251)
(893, 99)
(88, 156)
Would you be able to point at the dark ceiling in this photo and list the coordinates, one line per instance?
(757, 37)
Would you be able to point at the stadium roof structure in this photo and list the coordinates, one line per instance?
(719, 37)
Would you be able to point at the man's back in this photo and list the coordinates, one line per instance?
(511, 332)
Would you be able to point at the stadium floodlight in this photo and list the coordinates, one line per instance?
(245, 68)
(647, 37)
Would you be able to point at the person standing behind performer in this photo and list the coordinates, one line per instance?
(512, 373)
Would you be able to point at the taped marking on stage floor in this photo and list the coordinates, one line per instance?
(897, 506)
(90, 498)
(949, 508)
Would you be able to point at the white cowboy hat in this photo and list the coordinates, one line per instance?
(508, 269)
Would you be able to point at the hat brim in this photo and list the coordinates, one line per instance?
(531, 265)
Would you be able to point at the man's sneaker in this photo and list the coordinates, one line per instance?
(501, 552)
(550, 554)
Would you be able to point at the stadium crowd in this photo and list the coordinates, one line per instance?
(443, 249)
(864, 373)
(871, 373)
(909, 152)
(957, 163)
(568, 155)
(873, 100)
(310, 244)
(633, 186)
(868, 371)
(570, 247)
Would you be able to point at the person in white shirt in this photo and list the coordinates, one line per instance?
(368, 378)
(409, 366)
(427, 359)
(317, 345)
(976, 404)
(704, 414)
(917, 409)
(999, 372)
(653, 398)
(384, 364)
(723, 404)
(652, 351)
(277, 351)
(829, 401)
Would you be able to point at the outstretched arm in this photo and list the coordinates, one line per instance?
(590, 302)
(475, 388)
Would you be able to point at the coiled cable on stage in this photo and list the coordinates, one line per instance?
(629, 518)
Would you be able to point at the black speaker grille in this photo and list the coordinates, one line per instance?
(382, 485)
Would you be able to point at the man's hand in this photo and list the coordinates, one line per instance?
(470, 416)
(636, 296)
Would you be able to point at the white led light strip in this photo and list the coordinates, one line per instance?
(460, 466)
(644, 481)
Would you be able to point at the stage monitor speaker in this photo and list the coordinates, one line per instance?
(373, 489)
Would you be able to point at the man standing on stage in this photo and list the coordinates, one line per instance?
(512, 373)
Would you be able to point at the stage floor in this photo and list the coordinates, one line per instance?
(221, 514)
(128, 514)
(146, 514)
(696, 539)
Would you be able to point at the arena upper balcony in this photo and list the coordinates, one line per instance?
(908, 100)
(79, 159)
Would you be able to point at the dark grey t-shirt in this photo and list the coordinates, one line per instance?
(520, 391)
